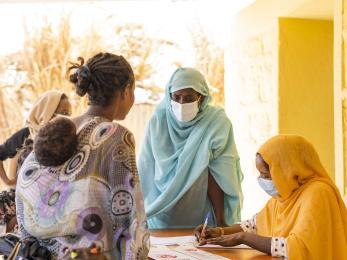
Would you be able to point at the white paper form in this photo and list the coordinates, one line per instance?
(192, 251)
(160, 252)
(182, 252)
(241, 246)
(168, 241)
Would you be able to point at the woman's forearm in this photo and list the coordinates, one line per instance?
(260, 243)
(235, 228)
(4, 177)
(216, 195)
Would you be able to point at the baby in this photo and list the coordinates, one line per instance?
(55, 142)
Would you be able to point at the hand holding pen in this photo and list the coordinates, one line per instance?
(202, 234)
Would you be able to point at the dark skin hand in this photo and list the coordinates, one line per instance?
(215, 232)
(234, 235)
(260, 243)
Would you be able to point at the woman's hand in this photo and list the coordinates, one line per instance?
(228, 240)
(208, 233)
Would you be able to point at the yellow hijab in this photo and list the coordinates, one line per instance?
(43, 111)
(309, 212)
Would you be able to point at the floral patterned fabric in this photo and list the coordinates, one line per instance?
(250, 225)
(279, 247)
(94, 197)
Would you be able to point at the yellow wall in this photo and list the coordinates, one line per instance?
(306, 83)
(340, 77)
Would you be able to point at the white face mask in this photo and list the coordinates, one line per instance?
(268, 186)
(185, 112)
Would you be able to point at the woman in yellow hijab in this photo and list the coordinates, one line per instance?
(305, 219)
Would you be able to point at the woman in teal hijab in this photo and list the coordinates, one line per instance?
(189, 164)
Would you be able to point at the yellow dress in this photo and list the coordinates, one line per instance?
(309, 211)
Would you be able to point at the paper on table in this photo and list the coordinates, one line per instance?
(242, 246)
(180, 240)
(182, 252)
(172, 240)
(190, 250)
(159, 252)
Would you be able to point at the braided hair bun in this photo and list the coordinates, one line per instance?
(101, 76)
(81, 78)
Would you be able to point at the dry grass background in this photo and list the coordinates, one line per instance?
(44, 59)
(210, 61)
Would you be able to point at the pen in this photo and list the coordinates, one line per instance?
(205, 224)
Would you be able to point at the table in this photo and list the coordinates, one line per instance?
(234, 254)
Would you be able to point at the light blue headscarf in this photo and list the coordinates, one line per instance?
(176, 157)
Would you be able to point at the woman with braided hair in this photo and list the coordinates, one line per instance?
(94, 197)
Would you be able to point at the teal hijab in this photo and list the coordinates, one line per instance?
(176, 158)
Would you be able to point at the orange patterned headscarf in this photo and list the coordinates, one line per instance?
(309, 212)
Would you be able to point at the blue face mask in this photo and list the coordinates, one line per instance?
(268, 186)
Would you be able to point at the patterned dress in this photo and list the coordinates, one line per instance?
(94, 197)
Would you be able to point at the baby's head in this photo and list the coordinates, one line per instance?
(55, 142)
